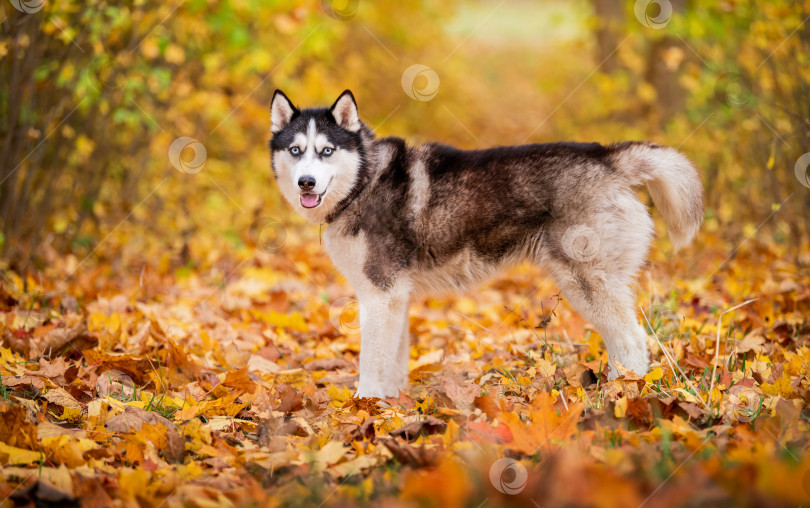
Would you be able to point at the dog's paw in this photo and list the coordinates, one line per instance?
(638, 364)
(379, 390)
(403, 384)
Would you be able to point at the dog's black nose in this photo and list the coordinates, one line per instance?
(306, 183)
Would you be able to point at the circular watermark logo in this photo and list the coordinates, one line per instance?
(664, 321)
(746, 402)
(28, 6)
(345, 315)
(734, 90)
(580, 243)
(802, 169)
(116, 384)
(268, 234)
(184, 165)
(508, 476)
(110, 75)
(420, 82)
(342, 10)
(653, 13)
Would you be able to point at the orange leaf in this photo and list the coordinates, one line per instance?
(240, 379)
(546, 428)
(482, 431)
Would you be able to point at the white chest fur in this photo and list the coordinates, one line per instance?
(348, 254)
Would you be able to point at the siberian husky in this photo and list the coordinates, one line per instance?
(405, 219)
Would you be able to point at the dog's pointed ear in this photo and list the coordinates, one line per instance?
(281, 111)
(344, 111)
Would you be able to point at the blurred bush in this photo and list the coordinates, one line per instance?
(93, 95)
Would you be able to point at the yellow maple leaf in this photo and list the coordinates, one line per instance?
(781, 387)
(654, 375)
(339, 396)
(11, 455)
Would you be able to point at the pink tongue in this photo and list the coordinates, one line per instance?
(309, 200)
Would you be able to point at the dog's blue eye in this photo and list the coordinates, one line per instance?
(295, 150)
(327, 152)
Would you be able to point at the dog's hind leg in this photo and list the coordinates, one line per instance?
(609, 305)
(595, 265)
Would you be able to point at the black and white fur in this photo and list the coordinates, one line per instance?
(408, 219)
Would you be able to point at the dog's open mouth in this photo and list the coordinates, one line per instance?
(310, 200)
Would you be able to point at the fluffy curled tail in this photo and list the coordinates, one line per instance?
(673, 182)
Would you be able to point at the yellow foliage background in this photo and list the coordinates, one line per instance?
(95, 94)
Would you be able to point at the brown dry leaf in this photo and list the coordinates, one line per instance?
(366, 429)
(181, 368)
(240, 379)
(692, 409)
(91, 491)
(327, 364)
(424, 426)
(640, 412)
(47, 429)
(462, 394)
(133, 418)
(410, 455)
(15, 429)
(12, 381)
(289, 398)
(135, 368)
(751, 342)
(114, 382)
(61, 397)
(32, 408)
(54, 369)
(57, 338)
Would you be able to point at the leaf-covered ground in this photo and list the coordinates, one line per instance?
(234, 387)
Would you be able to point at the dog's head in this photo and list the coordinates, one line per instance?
(318, 154)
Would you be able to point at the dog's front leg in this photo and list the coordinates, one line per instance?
(383, 317)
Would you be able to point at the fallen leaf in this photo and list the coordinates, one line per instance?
(546, 429)
(240, 379)
(410, 455)
(16, 430)
(424, 426)
(133, 418)
(365, 430)
(61, 397)
(12, 381)
(261, 364)
(11, 455)
(57, 338)
(289, 398)
(481, 430)
(327, 364)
